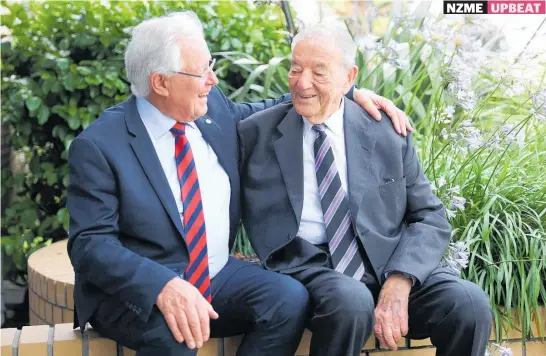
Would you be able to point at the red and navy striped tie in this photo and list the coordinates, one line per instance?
(197, 272)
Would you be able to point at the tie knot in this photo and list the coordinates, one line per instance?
(178, 129)
(319, 128)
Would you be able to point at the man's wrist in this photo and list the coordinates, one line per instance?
(404, 275)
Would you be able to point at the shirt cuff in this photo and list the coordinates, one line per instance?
(403, 274)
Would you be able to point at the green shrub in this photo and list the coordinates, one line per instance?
(62, 65)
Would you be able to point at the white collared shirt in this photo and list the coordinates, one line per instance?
(312, 227)
(213, 180)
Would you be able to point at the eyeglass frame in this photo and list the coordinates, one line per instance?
(202, 76)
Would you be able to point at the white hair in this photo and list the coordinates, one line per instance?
(155, 47)
(336, 33)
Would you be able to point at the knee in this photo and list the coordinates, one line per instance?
(293, 299)
(473, 307)
(350, 306)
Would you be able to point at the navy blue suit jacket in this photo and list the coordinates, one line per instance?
(125, 236)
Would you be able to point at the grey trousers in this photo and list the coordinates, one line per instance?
(454, 313)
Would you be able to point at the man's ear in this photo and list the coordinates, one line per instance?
(351, 76)
(159, 84)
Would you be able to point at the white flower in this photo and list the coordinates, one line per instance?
(441, 182)
(456, 256)
(367, 42)
(458, 202)
(504, 351)
(449, 110)
(539, 101)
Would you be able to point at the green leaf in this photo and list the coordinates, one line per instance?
(33, 103)
(84, 40)
(74, 122)
(63, 64)
(236, 43)
(84, 70)
(69, 82)
(43, 114)
(47, 85)
(256, 35)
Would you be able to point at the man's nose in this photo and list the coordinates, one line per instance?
(212, 79)
(305, 81)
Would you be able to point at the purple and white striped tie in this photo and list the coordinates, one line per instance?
(342, 242)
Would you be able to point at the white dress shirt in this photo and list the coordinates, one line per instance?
(312, 227)
(213, 180)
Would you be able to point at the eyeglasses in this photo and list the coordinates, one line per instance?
(205, 73)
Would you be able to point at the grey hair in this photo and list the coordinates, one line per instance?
(336, 33)
(155, 47)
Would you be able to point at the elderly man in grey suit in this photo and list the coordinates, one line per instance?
(339, 202)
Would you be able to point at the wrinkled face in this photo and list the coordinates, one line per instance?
(318, 79)
(187, 97)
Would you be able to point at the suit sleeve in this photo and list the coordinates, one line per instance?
(428, 232)
(94, 247)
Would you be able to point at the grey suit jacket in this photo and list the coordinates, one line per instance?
(400, 222)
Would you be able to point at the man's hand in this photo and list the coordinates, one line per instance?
(371, 102)
(391, 313)
(186, 312)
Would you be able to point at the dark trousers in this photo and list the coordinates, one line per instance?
(269, 308)
(454, 313)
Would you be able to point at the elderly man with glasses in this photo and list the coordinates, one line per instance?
(154, 202)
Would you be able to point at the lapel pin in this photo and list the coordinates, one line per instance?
(208, 121)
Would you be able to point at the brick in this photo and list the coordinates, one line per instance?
(35, 282)
(99, 346)
(536, 323)
(32, 300)
(401, 344)
(30, 277)
(431, 351)
(68, 316)
(32, 318)
(210, 348)
(57, 315)
(128, 352)
(6, 337)
(68, 342)
(43, 281)
(370, 344)
(303, 348)
(51, 291)
(424, 342)
(41, 308)
(33, 340)
(532, 348)
(49, 313)
(60, 294)
(70, 296)
(232, 343)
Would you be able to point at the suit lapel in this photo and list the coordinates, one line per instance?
(215, 138)
(289, 151)
(359, 146)
(146, 155)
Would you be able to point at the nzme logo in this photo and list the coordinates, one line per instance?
(495, 7)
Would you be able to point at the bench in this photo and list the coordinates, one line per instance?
(51, 286)
(62, 340)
